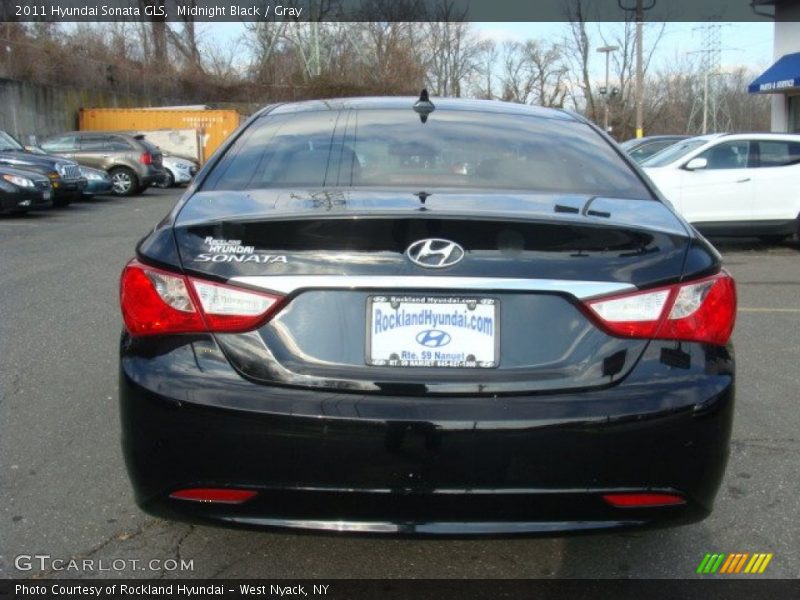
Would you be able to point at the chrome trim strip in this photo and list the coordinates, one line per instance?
(432, 527)
(287, 284)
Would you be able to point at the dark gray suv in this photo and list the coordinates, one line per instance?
(133, 163)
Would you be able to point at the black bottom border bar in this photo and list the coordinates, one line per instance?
(396, 589)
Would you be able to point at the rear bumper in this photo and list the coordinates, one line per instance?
(435, 465)
(151, 175)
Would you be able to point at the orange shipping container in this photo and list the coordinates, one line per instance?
(213, 126)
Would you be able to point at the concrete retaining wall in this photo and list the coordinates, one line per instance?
(32, 109)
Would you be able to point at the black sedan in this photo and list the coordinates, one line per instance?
(22, 190)
(402, 316)
(64, 174)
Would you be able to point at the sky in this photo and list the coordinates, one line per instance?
(748, 44)
(742, 43)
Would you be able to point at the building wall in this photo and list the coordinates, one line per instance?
(786, 41)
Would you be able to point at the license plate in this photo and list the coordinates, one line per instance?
(46, 194)
(432, 331)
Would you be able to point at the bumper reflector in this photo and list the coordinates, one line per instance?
(638, 500)
(216, 495)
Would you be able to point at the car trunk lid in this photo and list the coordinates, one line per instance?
(341, 257)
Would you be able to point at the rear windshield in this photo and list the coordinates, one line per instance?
(393, 148)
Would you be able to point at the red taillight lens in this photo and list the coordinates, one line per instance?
(698, 311)
(215, 495)
(146, 158)
(155, 301)
(704, 311)
(643, 500)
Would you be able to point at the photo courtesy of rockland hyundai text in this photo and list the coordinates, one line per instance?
(400, 299)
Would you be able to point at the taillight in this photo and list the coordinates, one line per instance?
(643, 500)
(155, 301)
(214, 495)
(146, 158)
(700, 311)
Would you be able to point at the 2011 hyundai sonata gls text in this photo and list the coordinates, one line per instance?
(447, 317)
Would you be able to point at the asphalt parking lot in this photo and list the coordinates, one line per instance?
(64, 491)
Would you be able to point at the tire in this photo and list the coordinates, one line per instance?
(124, 181)
(167, 181)
(62, 200)
(772, 239)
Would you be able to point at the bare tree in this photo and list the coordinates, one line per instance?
(157, 30)
(534, 72)
(387, 53)
(453, 52)
(186, 43)
(623, 63)
(485, 83)
(746, 112)
(579, 45)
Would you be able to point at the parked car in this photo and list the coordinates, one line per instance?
(329, 332)
(64, 175)
(640, 149)
(133, 163)
(177, 171)
(99, 182)
(22, 190)
(743, 184)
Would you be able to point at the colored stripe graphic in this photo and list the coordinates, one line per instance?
(764, 564)
(731, 560)
(713, 563)
(734, 563)
(741, 562)
(703, 563)
(754, 564)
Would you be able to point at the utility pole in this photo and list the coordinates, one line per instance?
(315, 32)
(607, 50)
(639, 70)
(639, 16)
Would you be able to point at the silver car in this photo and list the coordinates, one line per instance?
(177, 171)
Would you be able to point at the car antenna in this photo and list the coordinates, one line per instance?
(422, 196)
(423, 107)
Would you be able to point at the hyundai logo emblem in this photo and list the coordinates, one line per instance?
(433, 338)
(434, 253)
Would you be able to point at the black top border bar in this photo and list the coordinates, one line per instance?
(211, 11)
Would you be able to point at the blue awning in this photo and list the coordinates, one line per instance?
(783, 75)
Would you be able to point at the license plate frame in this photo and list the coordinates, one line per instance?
(476, 354)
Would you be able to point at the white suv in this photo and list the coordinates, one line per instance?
(744, 184)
